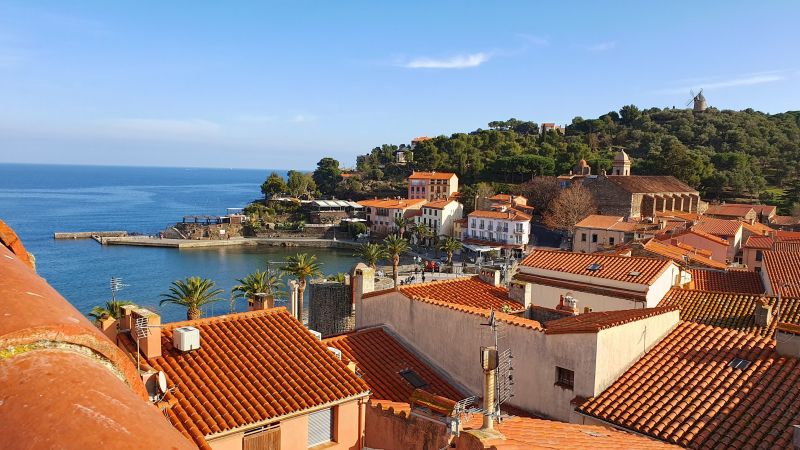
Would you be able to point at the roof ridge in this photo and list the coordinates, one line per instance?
(432, 282)
(225, 317)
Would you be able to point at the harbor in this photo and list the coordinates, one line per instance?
(150, 241)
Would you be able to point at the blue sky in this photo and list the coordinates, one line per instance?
(279, 85)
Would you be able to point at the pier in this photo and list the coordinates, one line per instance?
(89, 234)
(147, 241)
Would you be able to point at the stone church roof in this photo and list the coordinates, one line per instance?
(638, 184)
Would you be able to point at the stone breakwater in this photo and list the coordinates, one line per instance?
(146, 241)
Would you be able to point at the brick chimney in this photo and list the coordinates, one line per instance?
(521, 292)
(489, 362)
(150, 346)
(491, 276)
(568, 303)
(763, 313)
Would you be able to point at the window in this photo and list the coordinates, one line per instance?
(262, 438)
(611, 241)
(320, 427)
(759, 255)
(594, 238)
(739, 363)
(413, 378)
(565, 378)
(583, 237)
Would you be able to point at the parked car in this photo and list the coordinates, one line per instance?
(432, 266)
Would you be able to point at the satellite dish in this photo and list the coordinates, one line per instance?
(162, 382)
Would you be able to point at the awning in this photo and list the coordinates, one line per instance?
(480, 248)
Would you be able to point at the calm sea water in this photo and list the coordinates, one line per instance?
(38, 200)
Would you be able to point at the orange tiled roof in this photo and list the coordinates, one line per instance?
(694, 231)
(612, 267)
(510, 214)
(784, 220)
(595, 321)
(783, 268)
(471, 291)
(718, 227)
(680, 254)
(765, 210)
(392, 203)
(741, 281)
(379, 358)
(730, 210)
(786, 236)
(730, 310)
(251, 368)
(759, 242)
(685, 391)
(757, 228)
(431, 176)
(439, 204)
(598, 221)
(524, 433)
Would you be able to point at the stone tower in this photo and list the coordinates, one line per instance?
(621, 165)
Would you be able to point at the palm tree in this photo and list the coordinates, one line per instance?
(395, 246)
(258, 282)
(301, 266)
(423, 233)
(450, 245)
(112, 308)
(371, 253)
(401, 223)
(192, 293)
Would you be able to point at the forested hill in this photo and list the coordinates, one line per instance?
(723, 153)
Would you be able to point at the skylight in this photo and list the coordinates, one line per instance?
(594, 267)
(413, 379)
(739, 363)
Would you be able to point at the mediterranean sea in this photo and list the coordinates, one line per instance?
(38, 200)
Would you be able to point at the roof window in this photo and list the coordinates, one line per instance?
(594, 267)
(739, 363)
(413, 378)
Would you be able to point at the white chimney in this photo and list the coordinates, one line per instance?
(521, 292)
(186, 339)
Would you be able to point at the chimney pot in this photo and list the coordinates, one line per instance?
(763, 313)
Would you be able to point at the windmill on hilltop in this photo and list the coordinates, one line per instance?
(700, 104)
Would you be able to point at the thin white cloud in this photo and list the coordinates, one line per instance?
(748, 80)
(162, 128)
(602, 46)
(533, 39)
(453, 62)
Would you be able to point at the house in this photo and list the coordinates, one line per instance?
(418, 140)
(444, 322)
(63, 383)
(785, 223)
(626, 195)
(719, 248)
(250, 380)
(599, 282)
(781, 273)
(499, 202)
(749, 313)
(382, 213)
(733, 211)
(682, 254)
(432, 185)
(551, 126)
(440, 215)
(729, 230)
(333, 211)
(730, 280)
(755, 245)
(508, 231)
(596, 232)
(707, 387)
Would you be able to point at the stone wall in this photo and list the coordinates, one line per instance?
(317, 231)
(330, 309)
(198, 231)
(610, 199)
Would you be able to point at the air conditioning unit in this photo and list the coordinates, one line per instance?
(186, 339)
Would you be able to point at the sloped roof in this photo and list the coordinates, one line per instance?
(251, 368)
(392, 203)
(685, 391)
(469, 291)
(639, 184)
(431, 176)
(729, 210)
(598, 221)
(681, 254)
(741, 281)
(596, 321)
(784, 220)
(630, 269)
(695, 231)
(439, 204)
(783, 268)
(756, 228)
(759, 242)
(730, 309)
(765, 210)
(380, 358)
(510, 214)
(718, 227)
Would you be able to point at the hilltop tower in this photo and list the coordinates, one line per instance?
(621, 164)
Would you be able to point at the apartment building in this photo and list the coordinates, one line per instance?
(507, 230)
(382, 213)
(432, 185)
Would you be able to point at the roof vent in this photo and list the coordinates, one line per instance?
(316, 334)
(739, 363)
(634, 273)
(186, 339)
(594, 267)
(336, 352)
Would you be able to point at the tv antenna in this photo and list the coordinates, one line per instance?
(116, 286)
(504, 371)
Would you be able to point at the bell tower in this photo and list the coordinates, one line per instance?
(621, 165)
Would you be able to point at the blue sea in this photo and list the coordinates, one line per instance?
(38, 200)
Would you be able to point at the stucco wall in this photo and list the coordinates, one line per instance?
(389, 431)
(602, 239)
(549, 296)
(719, 252)
(230, 442)
(664, 283)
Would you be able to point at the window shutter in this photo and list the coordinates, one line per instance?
(320, 427)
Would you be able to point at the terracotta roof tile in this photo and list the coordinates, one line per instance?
(718, 227)
(510, 214)
(759, 242)
(766, 210)
(392, 203)
(685, 391)
(783, 268)
(595, 321)
(439, 204)
(250, 368)
(471, 291)
(784, 220)
(379, 358)
(612, 267)
(597, 221)
(730, 210)
(740, 281)
(431, 176)
(680, 254)
(757, 228)
(730, 310)
(651, 184)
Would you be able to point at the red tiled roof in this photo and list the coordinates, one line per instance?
(741, 281)
(612, 267)
(431, 176)
(510, 214)
(680, 254)
(783, 268)
(730, 310)
(759, 242)
(730, 210)
(379, 358)
(764, 210)
(784, 220)
(595, 321)
(786, 247)
(785, 236)
(392, 203)
(757, 228)
(685, 391)
(598, 221)
(251, 368)
(523, 433)
(651, 184)
(9, 239)
(471, 291)
(718, 227)
(439, 204)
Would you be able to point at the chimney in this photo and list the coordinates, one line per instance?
(362, 281)
(521, 292)
(568, 303)
(148, 324)
(489, 362)
(763, 313)
(109, 327)
(126, 321)
(787, 339)
(293, 300)
(261, 301)
(491, 276)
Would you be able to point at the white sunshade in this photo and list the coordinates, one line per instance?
(480, 248)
